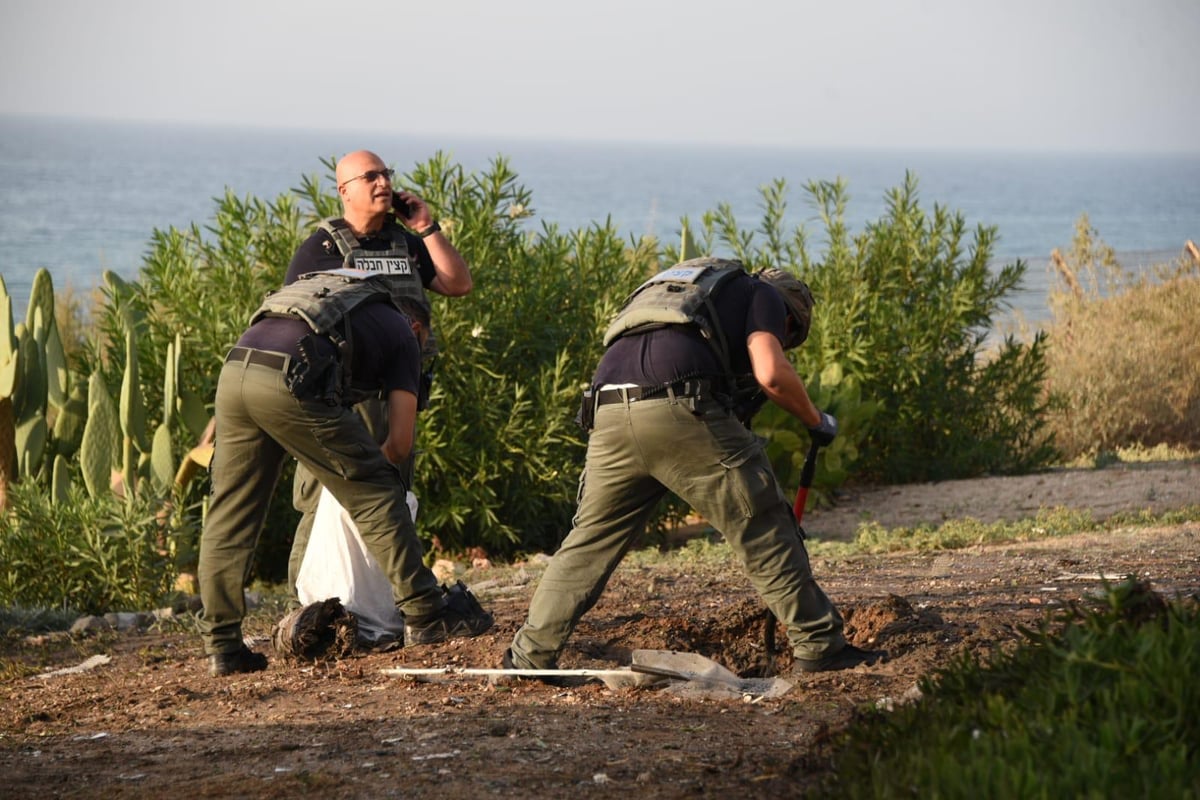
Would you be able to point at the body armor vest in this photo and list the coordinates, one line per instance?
(681, 295)
(324, 300)
(396, 261)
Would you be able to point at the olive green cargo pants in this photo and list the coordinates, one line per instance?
(259, 423)
(638, 451)
(306, 490)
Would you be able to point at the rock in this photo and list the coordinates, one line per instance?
(125, 621)
(91, 624)
(445, 570)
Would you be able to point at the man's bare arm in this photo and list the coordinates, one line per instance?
(778, 378)
(402, 420)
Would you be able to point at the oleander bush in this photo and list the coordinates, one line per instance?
(1124, 353)
(899, 343)
(899, 347)
(500, 454)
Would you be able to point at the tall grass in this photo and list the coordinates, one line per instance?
(1124, 352)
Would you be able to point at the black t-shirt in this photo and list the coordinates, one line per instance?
(319, 253)
(385, 351)
(677, 352)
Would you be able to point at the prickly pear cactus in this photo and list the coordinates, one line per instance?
(60, 483)
(101, 439)
(170, 379)
(162, 461)
(687, 246)
(43, 327)
(10, 364)
(40, 316)
(9, 351)
(57, 376)
(133, 409)
(193, 412)
(68, 425)
(29, 407)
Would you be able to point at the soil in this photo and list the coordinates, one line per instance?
(151, 722)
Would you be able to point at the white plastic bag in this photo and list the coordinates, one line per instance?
(338, 564)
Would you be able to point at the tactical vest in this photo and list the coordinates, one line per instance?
(324, 300)
(395, 261)
(681, 295)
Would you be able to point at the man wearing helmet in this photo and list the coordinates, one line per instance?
(662, 414)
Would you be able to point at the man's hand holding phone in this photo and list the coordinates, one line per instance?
(412, 211)
(403, 208)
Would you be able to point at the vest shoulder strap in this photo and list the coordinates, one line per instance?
(347, 243)
(342, 236)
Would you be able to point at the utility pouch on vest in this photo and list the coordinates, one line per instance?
(586, 418)
(313, 377)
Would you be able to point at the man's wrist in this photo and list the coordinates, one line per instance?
(433, 228)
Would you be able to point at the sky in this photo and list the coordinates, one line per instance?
(1045, 75)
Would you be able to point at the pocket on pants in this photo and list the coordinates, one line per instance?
(751, 479)
(348, 449)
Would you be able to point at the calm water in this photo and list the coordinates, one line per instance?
(81, 197)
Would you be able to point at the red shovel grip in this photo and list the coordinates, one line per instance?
(806, 479)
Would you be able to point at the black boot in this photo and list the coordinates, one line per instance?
(846, 658)
(242, 660)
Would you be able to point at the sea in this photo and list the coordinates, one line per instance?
(82, 196)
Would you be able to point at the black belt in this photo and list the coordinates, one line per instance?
(263, 358)
(693, 388)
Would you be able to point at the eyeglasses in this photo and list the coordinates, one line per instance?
(372, 175)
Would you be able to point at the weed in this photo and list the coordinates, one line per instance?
(1123, 354)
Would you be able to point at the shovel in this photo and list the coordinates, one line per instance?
(621, 678)
(649, 667)
(806, 479)
(701, 675)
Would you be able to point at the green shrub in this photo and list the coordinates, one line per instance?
(500, 455)
(1099, 702)
(87, 555)
(201, 288)
(903, 312)
(500, 452)
(1124, 355)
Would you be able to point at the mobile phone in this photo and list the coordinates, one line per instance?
(401, 206)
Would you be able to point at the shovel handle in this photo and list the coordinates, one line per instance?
(806, 479)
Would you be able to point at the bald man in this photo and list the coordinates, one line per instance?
(381, 230)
